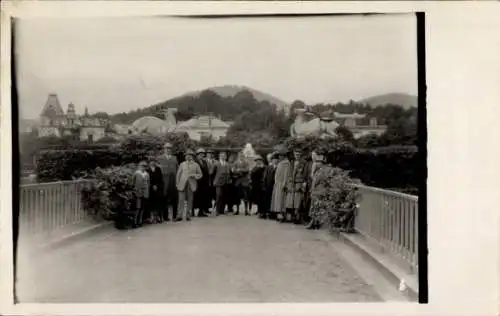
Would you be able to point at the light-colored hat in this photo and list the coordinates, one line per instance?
(167, 145)
(189, 152)
(259, 158)
(200, 151)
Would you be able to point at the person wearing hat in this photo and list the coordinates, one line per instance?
(310, 167)
(202, 200)
(268, 184)
(317, 166)
(211, 162)
(169, 165)
(140, 181)
(187, 183)
(295, 187)
(155, 191)
(257, 185)
(283, 170)
(222, 183)
(241, 173)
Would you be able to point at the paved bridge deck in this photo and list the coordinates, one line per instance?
(223, 259)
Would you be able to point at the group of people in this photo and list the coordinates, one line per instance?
(202, 184)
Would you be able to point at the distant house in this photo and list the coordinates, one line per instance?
(54, 122)
(204, 126)
(151, 125)
(121, 130)
(196, 127)
(359, 124)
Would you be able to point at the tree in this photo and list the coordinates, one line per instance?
(344, 134)
(368, 141)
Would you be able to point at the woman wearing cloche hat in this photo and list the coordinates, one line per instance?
(283, 171)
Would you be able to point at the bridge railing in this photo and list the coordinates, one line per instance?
(389, 219)
(45, 207)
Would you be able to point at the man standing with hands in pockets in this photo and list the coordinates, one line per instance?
(187, 182)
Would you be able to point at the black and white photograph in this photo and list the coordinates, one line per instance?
(228, 159)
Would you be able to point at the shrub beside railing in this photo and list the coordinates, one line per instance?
(390, 220)
(45, 207)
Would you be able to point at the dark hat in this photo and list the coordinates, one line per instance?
(320, 151)
(282, 151)
(200, 151)
(189, 152)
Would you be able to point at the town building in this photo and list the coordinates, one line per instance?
(325, 124)
(359, 124)
(202, 126)
(54, 121)
(197, 127)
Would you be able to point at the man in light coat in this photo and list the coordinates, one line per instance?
(187, 183)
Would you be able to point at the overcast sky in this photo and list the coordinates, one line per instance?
(119, 64)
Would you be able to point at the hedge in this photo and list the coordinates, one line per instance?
(389, 167)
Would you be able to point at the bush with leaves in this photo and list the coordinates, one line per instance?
(57, 165)
(111, 195)
(334, 200)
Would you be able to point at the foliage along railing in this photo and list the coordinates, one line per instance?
(390, 220)
(387, 218)
(45, 207)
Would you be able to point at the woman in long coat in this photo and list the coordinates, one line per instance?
(268, 184)
(282, 173)
(295, 187)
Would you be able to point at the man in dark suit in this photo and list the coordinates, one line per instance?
(156, 191)
(257, 187)
(169, 165)
(202, 199)
(222, 182)
(211, 161)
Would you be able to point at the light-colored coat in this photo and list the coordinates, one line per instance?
(282, 173)
(188, 174)
(295, 185)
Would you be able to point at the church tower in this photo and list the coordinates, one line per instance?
(71, 115)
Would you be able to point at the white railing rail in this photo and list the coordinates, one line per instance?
(44, 207)
(387, 218)
(390, 220)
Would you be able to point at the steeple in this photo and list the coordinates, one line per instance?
(71, 113)
(86, 112)
(52, 107)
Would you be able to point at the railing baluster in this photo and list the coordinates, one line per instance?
(45, 207)
(390, 219)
